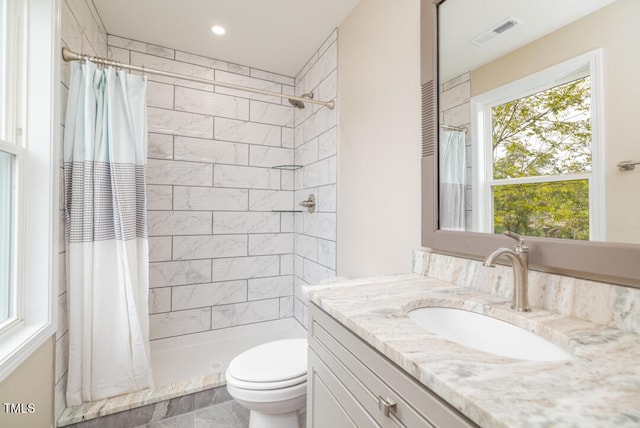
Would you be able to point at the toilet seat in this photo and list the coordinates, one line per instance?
(267, 395)
(265, 385)
(272, 365)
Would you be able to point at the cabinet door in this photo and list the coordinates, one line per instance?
(327, 412)
(329, 403)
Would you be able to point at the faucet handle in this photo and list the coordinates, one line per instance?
(515, 236)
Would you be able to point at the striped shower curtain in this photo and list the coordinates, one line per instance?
(105, 141)
(452, 175)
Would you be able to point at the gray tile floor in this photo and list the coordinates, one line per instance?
(213, 408)
(209, 408)
(228, 414)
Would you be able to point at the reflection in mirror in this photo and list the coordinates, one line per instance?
(537, 103)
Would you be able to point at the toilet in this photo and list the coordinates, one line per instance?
(271, 381)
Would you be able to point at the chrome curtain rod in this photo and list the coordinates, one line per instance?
(69, 55)
(454, 128)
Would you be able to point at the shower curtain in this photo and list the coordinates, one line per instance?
(452, 179)
(105, 141)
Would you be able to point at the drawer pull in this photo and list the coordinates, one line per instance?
(386, 405)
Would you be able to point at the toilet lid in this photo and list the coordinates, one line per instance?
(275, 361)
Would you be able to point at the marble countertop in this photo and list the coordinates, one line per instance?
(598, 387)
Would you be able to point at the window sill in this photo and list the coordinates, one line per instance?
(20, 342)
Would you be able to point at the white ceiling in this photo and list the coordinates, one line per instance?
(463, 20)
(272, 35)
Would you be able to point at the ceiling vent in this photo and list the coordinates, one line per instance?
(504, 25)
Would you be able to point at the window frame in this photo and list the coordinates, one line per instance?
(12, 142)
(482, 181)
(36, 127)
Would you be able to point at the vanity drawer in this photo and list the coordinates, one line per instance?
(374, 382)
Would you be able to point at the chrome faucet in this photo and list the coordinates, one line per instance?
(519, 257)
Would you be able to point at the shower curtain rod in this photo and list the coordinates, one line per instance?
(69, 55)
(454, 128)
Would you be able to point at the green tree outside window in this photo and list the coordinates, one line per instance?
(546, 134)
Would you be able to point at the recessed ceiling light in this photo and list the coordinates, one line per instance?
(218, 30)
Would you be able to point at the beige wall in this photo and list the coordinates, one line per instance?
(31, 382)
(379, 138)
(615, 30)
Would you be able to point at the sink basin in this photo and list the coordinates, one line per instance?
(487, 334)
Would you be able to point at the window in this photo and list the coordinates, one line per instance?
(28, 177)
(538, 154)
(3, 61)
(12, 152)
(7, 237)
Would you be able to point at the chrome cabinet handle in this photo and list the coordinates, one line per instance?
(386, 405)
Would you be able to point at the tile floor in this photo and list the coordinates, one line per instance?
(210, 408)
(228, 414)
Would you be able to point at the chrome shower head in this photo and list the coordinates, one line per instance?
(299, 104)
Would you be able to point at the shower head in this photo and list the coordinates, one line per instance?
(298, 103)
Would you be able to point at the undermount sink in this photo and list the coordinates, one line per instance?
(487, 334)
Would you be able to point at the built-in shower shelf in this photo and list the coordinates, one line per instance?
(287, 167)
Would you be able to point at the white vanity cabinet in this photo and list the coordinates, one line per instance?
(352, 385)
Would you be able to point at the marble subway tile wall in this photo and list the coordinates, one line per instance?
(314, 258)
(455, 110)
(220, 250)
(81, 31)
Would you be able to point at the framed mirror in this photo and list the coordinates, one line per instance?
(529, 127)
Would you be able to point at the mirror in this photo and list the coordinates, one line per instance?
(538, 103)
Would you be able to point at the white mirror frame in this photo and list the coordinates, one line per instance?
(609, 262)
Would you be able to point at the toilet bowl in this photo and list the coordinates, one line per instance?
(271, 381)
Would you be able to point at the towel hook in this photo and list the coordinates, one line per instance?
(628, 165)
